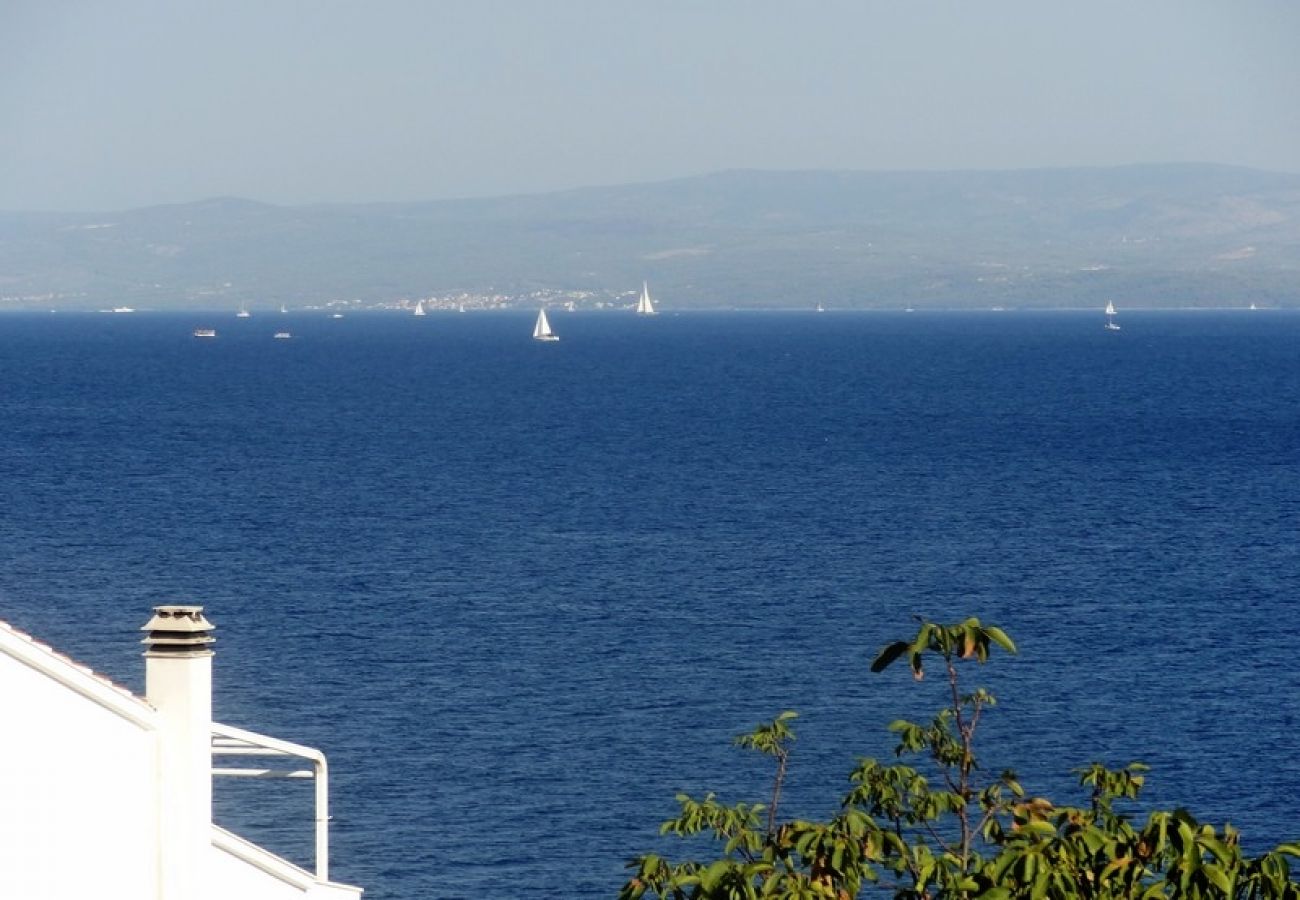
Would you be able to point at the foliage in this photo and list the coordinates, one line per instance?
(955, 833)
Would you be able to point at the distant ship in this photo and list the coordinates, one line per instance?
(1111, 324)
(123, 309)
(645, 306)
(282, 335)
(243, 312)
(542, 330)
(205, 332)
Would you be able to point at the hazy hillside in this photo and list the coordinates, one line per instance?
(1167, 235)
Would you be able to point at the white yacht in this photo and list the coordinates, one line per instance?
(1111, 324)
(645, 306)
(542, 330)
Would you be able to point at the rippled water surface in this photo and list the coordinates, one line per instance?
(523, 593)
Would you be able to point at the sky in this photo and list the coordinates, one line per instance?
(114, 105)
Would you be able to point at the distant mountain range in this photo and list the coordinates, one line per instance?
(1146, 236)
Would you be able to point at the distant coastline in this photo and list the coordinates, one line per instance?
(1157, 236)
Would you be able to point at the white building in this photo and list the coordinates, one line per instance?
(105, 795)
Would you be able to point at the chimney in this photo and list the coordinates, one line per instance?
(178, 683)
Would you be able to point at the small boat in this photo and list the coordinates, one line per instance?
(282, 335)
(1111, 324)
(542, 330)
(123, 309)
(282, 309)
(462, 308)
(419, 308)
(821, 308)
(337, 316)
(243, 312)
(205, 332)
(645, 306)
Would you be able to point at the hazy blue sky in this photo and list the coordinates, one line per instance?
(118, 103)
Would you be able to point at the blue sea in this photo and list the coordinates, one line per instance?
(521, 594)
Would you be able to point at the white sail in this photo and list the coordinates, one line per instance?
(419, 308)
(644, 306)
(542, 330)
(1111, 324)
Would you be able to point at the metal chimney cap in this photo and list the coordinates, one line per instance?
(178, 618)
(178, 631)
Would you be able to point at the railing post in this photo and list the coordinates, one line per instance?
(322, 820)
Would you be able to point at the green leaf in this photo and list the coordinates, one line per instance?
(1000, 638)
(922, 641)
(1218, 877)
(1038, 829)
(888, 655)
(1218, 848)
(1039, 890)
(1122, 863)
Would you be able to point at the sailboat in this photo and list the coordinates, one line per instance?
(1111, 325)
(419, 308)
(283, 309)
(542, 330)
(644, 306)
(243, 312)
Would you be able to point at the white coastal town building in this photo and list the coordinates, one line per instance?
(106, 795)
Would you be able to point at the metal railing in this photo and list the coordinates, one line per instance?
(230, 741)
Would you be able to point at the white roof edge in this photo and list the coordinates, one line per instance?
(276, 866)
(71, 674)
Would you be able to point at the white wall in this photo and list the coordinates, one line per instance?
(244, 871)
(78, 801)
(238, 880)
